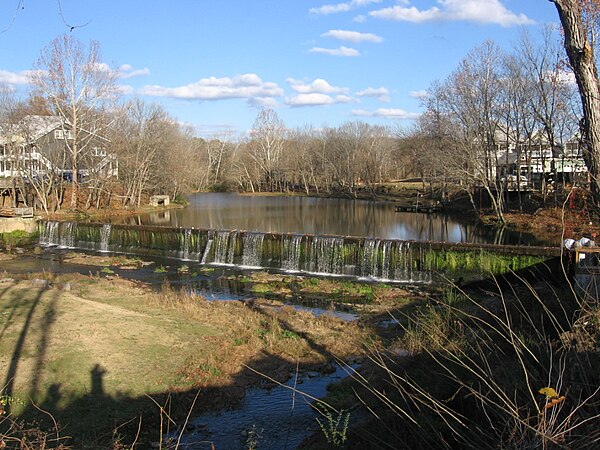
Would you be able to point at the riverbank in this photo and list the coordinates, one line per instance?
(91, 349)
(99, 353)
(484, 366)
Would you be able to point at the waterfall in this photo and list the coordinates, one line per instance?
(386, 261)
(49, 234)
(105, 237)
(208, 247)
(67, 233)
(186, 244)
(369, 260)
(326, 255)
(62, 234)
(377, 259)
(225, 245)
(252, 250)
(291, 252)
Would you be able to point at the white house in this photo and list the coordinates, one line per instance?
(38, 146)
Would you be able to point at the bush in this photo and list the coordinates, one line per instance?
(17, 238)
(516, 368)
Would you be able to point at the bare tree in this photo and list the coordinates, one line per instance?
(9, 148)
(178, 145)
(79, 88)
(218, 152)
(267, 141)
(139, 139)
(305, 159)
(374, 154)
(580, 51)
(550, 92)
(470, 99)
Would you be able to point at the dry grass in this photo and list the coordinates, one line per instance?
(515, 367)
(90, 350)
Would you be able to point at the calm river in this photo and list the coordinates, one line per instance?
(308, 215)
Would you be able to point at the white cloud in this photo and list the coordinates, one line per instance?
(318, 86)
(380, 93)
(341, 7)
(316, 99)
(99, 67)
(13, 78)
(479, 11)
(563, 76)
(418, 94)
(248, 86)
(360, 19)
(389, 113)
(222, 131)
(125, 89)
(341, 51)
(353, 36)
(126, 71)
(263, 102)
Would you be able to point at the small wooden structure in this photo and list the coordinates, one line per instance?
(159, 200)
(26, 212)
(429, 209)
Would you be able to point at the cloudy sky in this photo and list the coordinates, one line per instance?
(215, 63)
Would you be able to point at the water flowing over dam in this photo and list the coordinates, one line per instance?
(362, 257)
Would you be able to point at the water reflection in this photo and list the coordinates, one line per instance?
(306, 215)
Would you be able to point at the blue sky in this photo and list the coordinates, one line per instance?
(214, 64)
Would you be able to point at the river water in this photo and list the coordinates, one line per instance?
(324, 216)
(278, 418)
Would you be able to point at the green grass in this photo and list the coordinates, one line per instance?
(17, 238)
(60, 339)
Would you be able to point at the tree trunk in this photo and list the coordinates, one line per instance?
(581, 58)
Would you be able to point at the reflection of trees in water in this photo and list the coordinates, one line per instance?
(312, 216)
(307, 215)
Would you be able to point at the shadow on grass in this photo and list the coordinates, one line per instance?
(98, 419)
(42, 342)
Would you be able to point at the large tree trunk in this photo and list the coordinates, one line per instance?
(581, 58)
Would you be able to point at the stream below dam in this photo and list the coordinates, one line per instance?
(277, 418)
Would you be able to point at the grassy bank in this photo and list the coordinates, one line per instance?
(490, 366)
(17, 238)
(97, 354)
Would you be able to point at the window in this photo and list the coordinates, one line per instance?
(63, 134)
(97, 151)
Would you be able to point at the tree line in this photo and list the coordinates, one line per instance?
(492, 100)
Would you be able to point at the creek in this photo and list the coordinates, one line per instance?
(276, 418)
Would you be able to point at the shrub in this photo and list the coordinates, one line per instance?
(517, 367)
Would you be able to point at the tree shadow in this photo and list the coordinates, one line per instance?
(99, 419)
(42, 343)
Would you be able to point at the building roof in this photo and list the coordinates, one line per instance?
(32, 127)
(29, 129)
